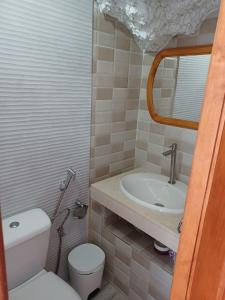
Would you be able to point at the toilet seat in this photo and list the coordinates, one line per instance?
(45, 287)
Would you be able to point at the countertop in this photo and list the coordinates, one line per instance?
(159, 225)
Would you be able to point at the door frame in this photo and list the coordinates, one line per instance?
(3, 281)
(200, 264)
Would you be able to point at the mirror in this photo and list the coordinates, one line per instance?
(176, 85)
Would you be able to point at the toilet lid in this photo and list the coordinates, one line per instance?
(86, 258)
(44, 287)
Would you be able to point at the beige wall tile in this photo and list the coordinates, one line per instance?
(120, 82)
(99, 172)
(108, 246)
(128, 154)
(102, 140)
(130, 135)
(104, 53)
(122, 43)
(103, 106)
(112, 100)
(122, 31)
(159, 283)
(121, 280)
(122, 57)
(117, 147)
(102, 129)
(132, 104)
(121, 70)
(117, 138)
(103, 80)
(95, 238)
(134, 83)
(104, 39)
(104, 24)
(105, 67)
(103, 117)
(116, 157)
(131, 262)
(135, 59)
(119, 264)
(96, 222)
(129, 145)
(131, 125)
(104, 93)
(119, 105)
(139, 285)
(120, 93)
(123, 251)
(118, 127)
(133, 296)
(133, 93)
(118, 116)
(96, 207)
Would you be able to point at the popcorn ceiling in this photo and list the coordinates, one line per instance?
(154, 23)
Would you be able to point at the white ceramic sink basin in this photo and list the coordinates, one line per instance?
(153, 191)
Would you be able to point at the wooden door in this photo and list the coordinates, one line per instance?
(3, 282)
(200, 266)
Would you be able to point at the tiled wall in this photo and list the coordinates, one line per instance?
(117, 64)
(132, 264)
(118, 69)
(154, 138)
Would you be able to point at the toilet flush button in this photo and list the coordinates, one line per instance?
(14, 224)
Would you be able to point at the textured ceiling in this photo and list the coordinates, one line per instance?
(154, 23)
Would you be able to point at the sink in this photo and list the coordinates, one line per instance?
(153, 191)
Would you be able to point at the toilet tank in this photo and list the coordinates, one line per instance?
(26, 239)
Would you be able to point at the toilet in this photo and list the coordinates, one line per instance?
(86, 265)
(26, 239)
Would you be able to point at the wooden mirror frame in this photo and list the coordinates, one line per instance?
(184, 51)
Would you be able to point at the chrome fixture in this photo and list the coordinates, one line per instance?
(80, 210)
(173, 153)
(14, 224)
(61, 233)
(70, 174)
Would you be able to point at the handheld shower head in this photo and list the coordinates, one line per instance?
(70, 174)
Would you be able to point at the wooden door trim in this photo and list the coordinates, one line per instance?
(203, 169)
(3, 281)
(209, 261)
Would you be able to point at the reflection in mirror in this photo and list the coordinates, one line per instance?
(179, 84)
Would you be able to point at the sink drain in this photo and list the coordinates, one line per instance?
(159, 204)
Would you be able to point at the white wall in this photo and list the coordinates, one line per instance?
(45, 101)
(190, 86)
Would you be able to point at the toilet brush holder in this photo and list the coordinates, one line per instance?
(80, 210)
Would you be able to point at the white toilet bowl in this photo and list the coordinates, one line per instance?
(86, 265)
(44, 286)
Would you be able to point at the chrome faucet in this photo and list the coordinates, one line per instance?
(173, 153)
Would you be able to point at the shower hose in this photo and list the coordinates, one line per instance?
(60, 229)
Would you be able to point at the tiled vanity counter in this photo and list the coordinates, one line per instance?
(132, 264)
(160, 226)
